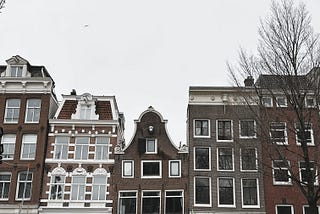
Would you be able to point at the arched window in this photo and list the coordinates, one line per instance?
(57, 183)
(99, 184)
(78, 184)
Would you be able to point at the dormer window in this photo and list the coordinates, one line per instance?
(16, 71)
(86, 108)
(85, 112)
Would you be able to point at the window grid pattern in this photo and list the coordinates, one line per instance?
(5, 180)
(12, 111)
(8, 141)
(24, 185)
(102, 148)
(29, 144)
(33, 110)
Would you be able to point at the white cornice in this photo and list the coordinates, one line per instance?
(83, 122)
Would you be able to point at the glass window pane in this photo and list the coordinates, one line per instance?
(202, 190)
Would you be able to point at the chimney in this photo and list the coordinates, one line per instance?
(248, 82)
(73, 92)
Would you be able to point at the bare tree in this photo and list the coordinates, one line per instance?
(286, 67)
(2, 4)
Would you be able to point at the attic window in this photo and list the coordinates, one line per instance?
(86, 108)
(16, 71)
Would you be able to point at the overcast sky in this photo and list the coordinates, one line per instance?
(146, 53)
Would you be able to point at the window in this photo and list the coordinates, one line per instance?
(202, 157)
(127, 202)
(310, 102)
(281, 172)
(151, 146)
(303, 172)
(28, 149)
(127, 169)
(151, 201)
(281, 101)
(247, 129)
(82, 148)
(226, 192)
(85, 112)
(24, 185)
(224, 130)
(12, 111)
(174, 202)
(102, 148)
(61, 147)
(16, 71)
(306, 209)
(57, 187)
(174, 168)
(250, 197)
(201, 128)
(266, 101)
(202, 191)
(284, 209)
(33, 110)
(99, 187)
(278, 133)
(5, 180)
(308, 134)
(78, 187)
(151, 169)
(225, 159)
(248, 159)
(8, 141)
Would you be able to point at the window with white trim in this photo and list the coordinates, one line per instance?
(82, 148)
(78, 186)
(61, 147)
(102, 148)
(307, 135)
(281, 101)
(151, 146)
(303, 172)
(250, 193)
(225, 159)
(28, 148)
(85, 112)
(174, 202)
(310, 102)
(201, 128)
(151, 169)
(306, 209)
(12, 111)
(278, 133)
(15, 71)
(248, 159)
(24, 186)
(202, 191)
(266, 101)
(202, 158)
(224, 130)
(5, 180)
(33, 110)
(247, 129)
(57, 187)
(8, 141)
(280, 169)
(151, 201)
(284, 209)
(226, 192)
(99, 187)
(174, 168)
(127, 168)
(127, 202)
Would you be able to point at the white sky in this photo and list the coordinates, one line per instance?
(146, 53)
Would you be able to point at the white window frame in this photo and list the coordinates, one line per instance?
(313, 100)
(258, 194)
(179, 168)
(194, 191)
(60, 147)
(25, 143)
(82, 147)
(285, 101)
(217, 130)
(256, 161)
(35, 110)
(289, 182)
(5, 183)
(155, 146)
(218, 158)
(25, 182)
(104, 148)
(142, 197)
(9, 143)
(101, 186)
(124, 197)
(175, 196)
(254, 127)
(310, 129)
(54, 183)
(194, 158)
(13, 109)
(201, 135)
(15, 68)
(305, 206)
(218, 192)
(124, 166)
(284, 205)
(151, 161)
(78, 187)
(285, 134)
(316, 182)
(267, 104)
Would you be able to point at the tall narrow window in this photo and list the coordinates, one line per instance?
(85, 112)
(202, 191)
(16, 71)
(33, 110)
(99, 187)
(151, 201)
(174, 168)
(29, 144)
(281, 172)
(201, 128)
(127, 169)
(202, 158)
(5, 180)
(250, 193)
(128, 202)
(248, 159)
(61, 147)
(102, 148)
(226, 192)
(224, 130)
(57, 187)
(12, 111)
(78, 186)
(247, 129)
(24, 186)
(278, 133)
(8, 141)
(174, 202)
(225, 159)
(151, 146)
(82, 148)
